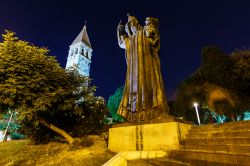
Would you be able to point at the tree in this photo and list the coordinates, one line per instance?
(240, 77)
(44, 94)
(114, 102)
(187, 94)
(216, 66)
(220, 84)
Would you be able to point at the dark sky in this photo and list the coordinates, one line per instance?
(185, 27)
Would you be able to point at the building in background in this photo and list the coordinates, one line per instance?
(80, 53)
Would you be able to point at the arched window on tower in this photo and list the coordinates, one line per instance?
(87, 54)
(76, 50)
(81, 52)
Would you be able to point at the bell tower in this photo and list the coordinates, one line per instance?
(80, 53)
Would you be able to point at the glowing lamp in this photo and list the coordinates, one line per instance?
(197, 112)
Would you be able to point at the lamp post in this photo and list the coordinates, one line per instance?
(197, 113)
(6, 130)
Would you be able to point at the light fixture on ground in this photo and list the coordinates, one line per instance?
(197, 112)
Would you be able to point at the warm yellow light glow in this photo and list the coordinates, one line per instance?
(195, 104)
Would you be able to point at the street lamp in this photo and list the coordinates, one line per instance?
(197, 112)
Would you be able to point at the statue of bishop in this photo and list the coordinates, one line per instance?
(144, 95)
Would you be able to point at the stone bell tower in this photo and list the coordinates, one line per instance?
(80, 53)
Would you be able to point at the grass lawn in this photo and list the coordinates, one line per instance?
(54, 153)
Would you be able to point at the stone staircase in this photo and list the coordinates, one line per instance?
(212, 145)
(156, 162)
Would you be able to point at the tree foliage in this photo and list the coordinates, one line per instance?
(44, 94)
(114, 102)
(220, 84)
(240, 77)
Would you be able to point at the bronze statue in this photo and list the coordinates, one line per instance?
(144, 96)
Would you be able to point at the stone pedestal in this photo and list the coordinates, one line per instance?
(147, 137)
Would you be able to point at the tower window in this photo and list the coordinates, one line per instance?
(76, 51)
(87, 55)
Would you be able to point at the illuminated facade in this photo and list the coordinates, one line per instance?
(80, 53)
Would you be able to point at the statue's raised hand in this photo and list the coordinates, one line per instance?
(120, 27)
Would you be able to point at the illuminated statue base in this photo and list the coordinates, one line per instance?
(147, 137)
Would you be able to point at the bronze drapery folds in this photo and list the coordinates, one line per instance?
(144, 96)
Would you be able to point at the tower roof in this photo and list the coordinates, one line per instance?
(83, 37)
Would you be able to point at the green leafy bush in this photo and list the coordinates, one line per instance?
(113, 104)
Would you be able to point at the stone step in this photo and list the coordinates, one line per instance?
(241, 125)
(218, 134)
(209, 163)
(168, 162)
(234, 149)
(156, 162)
(209, 158)
(217, 141)
(220, 128)
(138, 162)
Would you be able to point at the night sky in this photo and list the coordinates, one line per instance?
(185, 28)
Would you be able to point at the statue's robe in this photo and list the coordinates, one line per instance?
(144, 96)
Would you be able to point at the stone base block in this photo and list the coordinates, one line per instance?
(148, 137)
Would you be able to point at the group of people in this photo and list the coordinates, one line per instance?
(144, 95)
